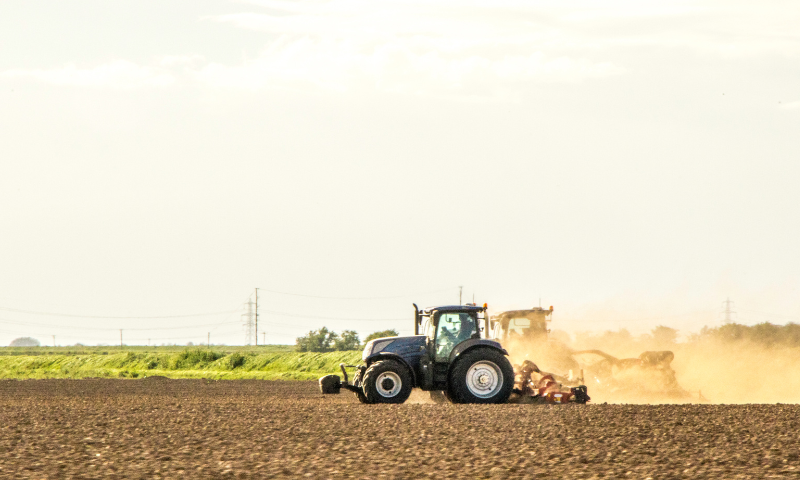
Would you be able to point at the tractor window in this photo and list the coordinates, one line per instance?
(519, 325)
(452, 329)
(498, 330)
(527, 327)
(427, 327)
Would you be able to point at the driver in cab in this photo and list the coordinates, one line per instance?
(463, 328)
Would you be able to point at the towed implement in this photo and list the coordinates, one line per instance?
(447, 357)
(534, 386)
(525, 332)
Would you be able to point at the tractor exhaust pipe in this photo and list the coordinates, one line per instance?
(416, 319)
(487, 323)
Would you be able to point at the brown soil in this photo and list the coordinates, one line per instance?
(261, 429)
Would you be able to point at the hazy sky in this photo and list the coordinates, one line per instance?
(632, 163)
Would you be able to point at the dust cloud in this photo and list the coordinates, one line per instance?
(707, 367)
(744, 372)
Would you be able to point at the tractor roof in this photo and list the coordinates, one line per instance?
(533, 312)
(454, 308)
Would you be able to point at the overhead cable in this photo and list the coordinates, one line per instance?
(287, 314)
(356, 298)
(72, 327)
(794, 317)
(117, 317)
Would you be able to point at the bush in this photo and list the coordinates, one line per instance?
(766, 334)
(665, 336)
(348, 340)
(24, 342)
(317, 341)
(381, 334)
(190, 358)
(324, 340)
(236, 360)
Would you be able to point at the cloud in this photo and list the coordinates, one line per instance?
(735, 28)
(473, 49)
(440, 48)
(790, 106)
(483, 47)
(121, 74)
(395, 67)
(181, 60)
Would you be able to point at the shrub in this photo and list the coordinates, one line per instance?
(317, 341)
(381, 334)
(236, 360)
(24, 342)
(348, 340)
(190, 358)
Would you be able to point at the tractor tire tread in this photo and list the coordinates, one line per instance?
(373, 371)
(458, 392)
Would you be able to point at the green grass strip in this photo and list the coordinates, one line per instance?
(189, 363)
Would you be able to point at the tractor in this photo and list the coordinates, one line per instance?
(446, 356)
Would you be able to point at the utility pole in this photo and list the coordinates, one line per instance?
(120, 338)
(264, 338)
(728, 310)
(54, 340)
(460, 288)
(256, 316)
(209, 340)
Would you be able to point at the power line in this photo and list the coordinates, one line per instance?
(287, 314)
(356, 298)
(644, 319)
(791, 317)
(71, 327)
(115, 317)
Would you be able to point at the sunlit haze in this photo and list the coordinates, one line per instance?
(631, 163)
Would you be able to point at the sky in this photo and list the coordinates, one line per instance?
(631, 163)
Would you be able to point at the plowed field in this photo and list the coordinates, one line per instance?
(158, 428)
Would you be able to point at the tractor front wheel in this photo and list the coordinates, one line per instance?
(357, 380)
(481, 376)
(387, 381)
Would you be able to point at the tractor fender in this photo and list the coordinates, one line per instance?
(391, 356)
(473, 343)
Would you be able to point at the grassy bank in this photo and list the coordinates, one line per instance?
(188, 363)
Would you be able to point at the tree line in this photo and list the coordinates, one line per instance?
(324, 340)
(766, 334)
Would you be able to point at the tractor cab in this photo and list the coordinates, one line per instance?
(445, 327)
(522, 324)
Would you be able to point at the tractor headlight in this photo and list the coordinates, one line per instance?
(375, 346)
(367, 349)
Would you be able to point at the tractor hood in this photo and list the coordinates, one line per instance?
(394, 345)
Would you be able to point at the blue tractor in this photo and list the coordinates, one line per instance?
(446, 356)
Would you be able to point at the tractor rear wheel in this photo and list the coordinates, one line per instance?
(482, 375)
(387, 381)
